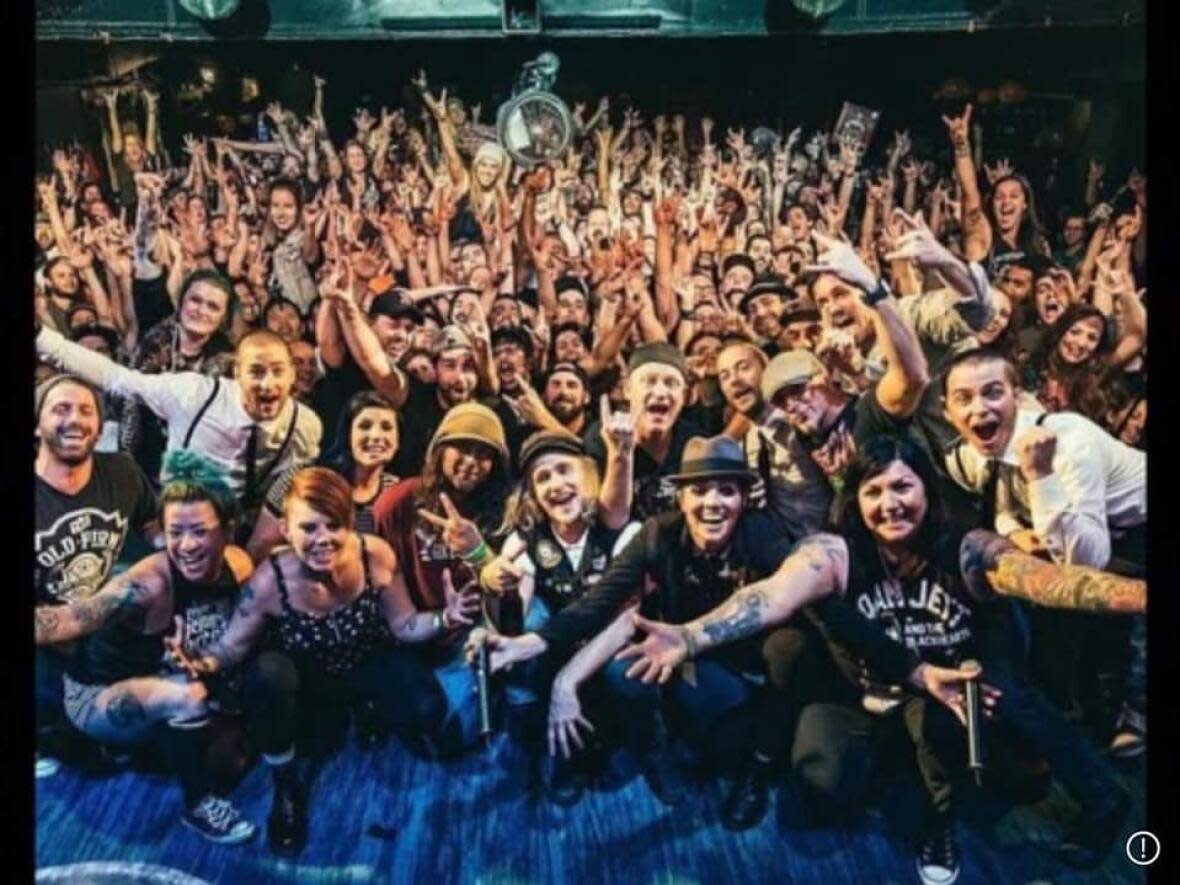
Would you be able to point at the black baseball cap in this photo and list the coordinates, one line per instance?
(392, 306)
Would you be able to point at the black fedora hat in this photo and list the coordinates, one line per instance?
(713, 457)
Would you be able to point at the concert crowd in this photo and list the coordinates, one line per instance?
(763, 452)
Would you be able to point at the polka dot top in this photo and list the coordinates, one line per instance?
(336, 641)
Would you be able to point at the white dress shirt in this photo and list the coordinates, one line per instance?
(178, 397)
(1098, 484)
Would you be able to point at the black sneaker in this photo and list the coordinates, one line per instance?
(46, 766)
(286, 828)
(218, 821)
(938, 861)
(745, 806)
(1089, 840)
(565, 781)
(1130, 734)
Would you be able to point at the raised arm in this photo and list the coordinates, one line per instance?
(993, 565)
(976, 228)
(618, 435)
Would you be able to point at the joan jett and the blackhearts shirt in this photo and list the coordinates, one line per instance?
(931, 612)
(78, 538)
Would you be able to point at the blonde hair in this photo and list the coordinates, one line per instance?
(523, 512)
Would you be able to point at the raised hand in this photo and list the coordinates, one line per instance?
(1001, 170)
(178, 656)
(658, 655)
(918, 243)
(565, 718)
(363, 120)
(902, 144)
(462, 604)
(1035, 448)
(459, 533)
(1095, 171)
(501, 575)
(618, 429)
(959, 127)
(838, 257)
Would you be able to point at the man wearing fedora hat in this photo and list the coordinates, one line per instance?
(680, 563)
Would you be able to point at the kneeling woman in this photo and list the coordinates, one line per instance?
(335, 600)
(932, 589)
(118, 689)
(565, 533)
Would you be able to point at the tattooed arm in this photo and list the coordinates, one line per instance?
(134, 589)
(817, 568)
(257, 601)
(991, 564)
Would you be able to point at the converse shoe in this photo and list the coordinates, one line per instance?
(46, 766)
(938, 860)
(1130, 734)
(218, 821)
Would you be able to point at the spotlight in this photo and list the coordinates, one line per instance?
(208, 75)
(210, 10)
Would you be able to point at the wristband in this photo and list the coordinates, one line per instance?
(878, 292)
(690, 646)
(440, 620)
(962, 149)
(479, 555)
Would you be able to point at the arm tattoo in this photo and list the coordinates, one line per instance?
(45, 622)
(246, 601)
(822, 551)
(741, 617)
(1066, 586)
(978, 554)
(124, 709)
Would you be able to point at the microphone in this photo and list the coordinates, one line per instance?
(481, 678)
(974, 721)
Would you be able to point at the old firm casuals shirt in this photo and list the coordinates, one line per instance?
(223, 430)
(1098, 484)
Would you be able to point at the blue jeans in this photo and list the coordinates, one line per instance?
(718, 690)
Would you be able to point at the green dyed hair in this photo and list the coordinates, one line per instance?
(191, 477)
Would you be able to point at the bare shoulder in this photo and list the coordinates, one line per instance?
(239, 563)
(380, 554)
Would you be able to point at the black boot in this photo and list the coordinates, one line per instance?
(565, 780)
(286, 828)
(661, 769)
(745, 806)
(1089, 840)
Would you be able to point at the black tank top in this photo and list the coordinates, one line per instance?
(121, 650)
(334, 642)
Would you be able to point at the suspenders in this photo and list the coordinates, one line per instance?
(201, 413)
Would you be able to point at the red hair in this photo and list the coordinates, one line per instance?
(324, 491)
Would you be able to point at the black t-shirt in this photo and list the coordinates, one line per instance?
(516, 430)
(931, 612)
(653, 493)
(330, 396)
(421, 415)
(77, 538)
(152, 304)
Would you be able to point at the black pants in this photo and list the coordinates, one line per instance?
(838, 746)
(278, 692)
(799, 671)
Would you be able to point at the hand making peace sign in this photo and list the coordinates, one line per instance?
(459, 533)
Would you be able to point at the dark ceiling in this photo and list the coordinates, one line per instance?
(383, 19)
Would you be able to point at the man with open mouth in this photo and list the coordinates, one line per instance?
(1060, 486)
(657, 386)
(249, 425)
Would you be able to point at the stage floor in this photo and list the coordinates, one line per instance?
(470, 822)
